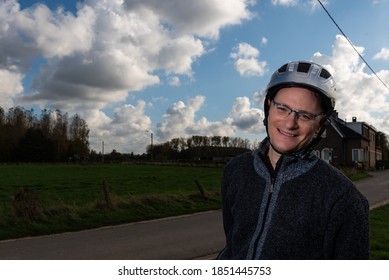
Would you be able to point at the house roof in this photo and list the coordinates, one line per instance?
(343, 130)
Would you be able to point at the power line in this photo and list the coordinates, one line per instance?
(341, 31)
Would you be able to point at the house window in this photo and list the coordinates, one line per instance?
(326, 154)
(357, 155)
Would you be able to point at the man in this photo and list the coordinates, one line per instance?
(283, 202)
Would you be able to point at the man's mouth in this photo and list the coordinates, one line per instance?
(285, 133)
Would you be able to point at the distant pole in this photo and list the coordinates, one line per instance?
(151, 146)
(102, 151)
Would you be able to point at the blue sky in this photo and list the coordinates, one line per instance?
(180, 67)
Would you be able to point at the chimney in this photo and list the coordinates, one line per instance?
(354, 119)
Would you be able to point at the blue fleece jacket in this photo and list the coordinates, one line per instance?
(306, 209)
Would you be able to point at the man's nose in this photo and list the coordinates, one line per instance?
(292, 120)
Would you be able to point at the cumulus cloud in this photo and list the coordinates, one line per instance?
(111, 46)
(285, 2)
(93, 58)
(11, 87)
(179, 121)
(126, 129)
(57, 33)
(245, 117)
(382, 54)
(359, 93)
(313, 4)
(246, 60)
(202, 17)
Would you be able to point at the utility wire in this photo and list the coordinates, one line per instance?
(341, 31)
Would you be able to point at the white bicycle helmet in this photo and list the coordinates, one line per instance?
(307, 75)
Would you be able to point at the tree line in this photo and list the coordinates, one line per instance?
(53, 136)
(50, 136)
(204, 148)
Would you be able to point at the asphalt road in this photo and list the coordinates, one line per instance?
(375, 188)
(194, 236)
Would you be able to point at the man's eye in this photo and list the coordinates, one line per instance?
(282, 109)
(306, 117)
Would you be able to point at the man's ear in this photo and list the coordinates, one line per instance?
(325, 122)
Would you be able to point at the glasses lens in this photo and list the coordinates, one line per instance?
(281, 109)
(284, 111)
(305, 116)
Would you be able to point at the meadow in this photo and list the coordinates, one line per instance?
(66, 197)
(379, 233)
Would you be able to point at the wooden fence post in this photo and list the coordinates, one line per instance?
(25, 204)
(201, 189)
(107, 194)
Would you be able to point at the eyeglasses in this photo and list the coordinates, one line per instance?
(284, 111)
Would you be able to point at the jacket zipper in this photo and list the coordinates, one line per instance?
(271, 189)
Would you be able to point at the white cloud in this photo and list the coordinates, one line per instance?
(130, 118)
(174, 81)
(11, 87)
(259, 97)
(359, 93)
(285, 2)
(245, 117)
(178, 54)
(246, 62)
(108, 46)
(244, 50)
(125, 131)
(382, 54)
(179, 121)
(93, 58)
(201, 17)
(55, 33)
(313, 4)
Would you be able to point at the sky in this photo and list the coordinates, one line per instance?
(177, 68)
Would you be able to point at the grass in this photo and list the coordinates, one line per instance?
(379, 231)
(70, 197)
(355, 174)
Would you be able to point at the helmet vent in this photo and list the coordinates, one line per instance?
(325, 74)
(282, 69)
(303, 67)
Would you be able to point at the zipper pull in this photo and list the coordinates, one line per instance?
(271, 185)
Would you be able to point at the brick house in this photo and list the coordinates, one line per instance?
(349, 144)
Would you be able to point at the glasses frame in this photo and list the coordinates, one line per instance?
(299, 113)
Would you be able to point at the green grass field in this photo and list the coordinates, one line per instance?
(70, 197)
(379, 231)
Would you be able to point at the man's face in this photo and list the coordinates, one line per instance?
(289, 133)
